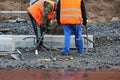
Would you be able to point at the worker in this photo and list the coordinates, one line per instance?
(40, 14)
(71, 14)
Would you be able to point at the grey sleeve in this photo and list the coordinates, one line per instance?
(46, 11)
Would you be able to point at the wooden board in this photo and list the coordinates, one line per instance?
(4, 29)
(5, 53)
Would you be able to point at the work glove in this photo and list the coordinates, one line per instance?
(84, 22)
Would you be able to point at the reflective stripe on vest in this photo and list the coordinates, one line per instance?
(74, 12)
(70, 9)
(70, 12)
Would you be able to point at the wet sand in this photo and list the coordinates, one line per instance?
(61, 74)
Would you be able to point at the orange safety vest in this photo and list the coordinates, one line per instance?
(70, 12)
(36, 10)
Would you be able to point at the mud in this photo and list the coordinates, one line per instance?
(107, 55)
(106, 11)
(62, 74)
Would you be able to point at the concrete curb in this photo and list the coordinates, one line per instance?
(49, 40)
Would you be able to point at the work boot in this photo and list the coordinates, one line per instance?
(63, 52)
(80, 52)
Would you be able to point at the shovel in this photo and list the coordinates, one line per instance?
(17, 55)
(87, 38)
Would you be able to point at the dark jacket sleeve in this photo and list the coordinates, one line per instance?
(58, 12)
(83, 11)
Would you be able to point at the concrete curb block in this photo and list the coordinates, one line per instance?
(7, 44)
(49, 40)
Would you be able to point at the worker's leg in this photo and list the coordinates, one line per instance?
(67, 35)
(35, 26)
(78, 38)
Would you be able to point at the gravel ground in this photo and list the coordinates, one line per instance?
(107, 53)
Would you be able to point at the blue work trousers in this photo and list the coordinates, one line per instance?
(77, 30)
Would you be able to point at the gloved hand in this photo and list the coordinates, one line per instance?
(84, 22)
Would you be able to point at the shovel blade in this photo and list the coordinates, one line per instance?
(16, 56)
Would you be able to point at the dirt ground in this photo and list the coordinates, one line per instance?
(107, 45)
(106, 11)
(103, 23)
